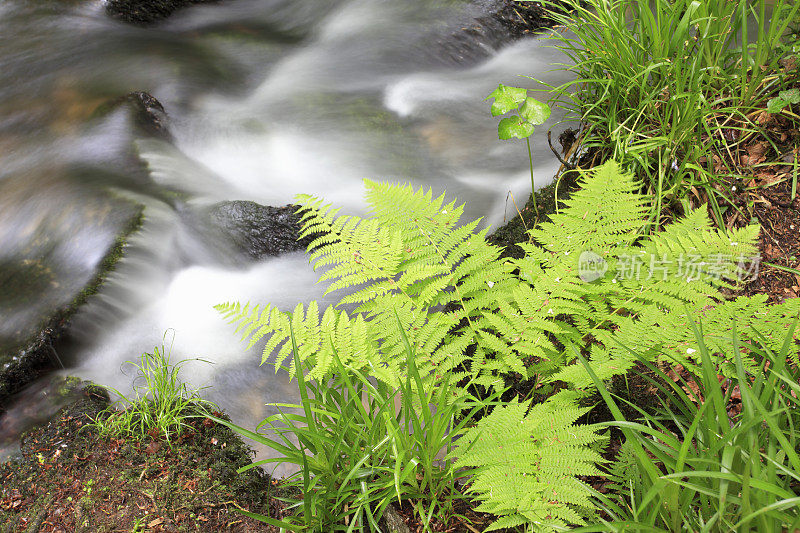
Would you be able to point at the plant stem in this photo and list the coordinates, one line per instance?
(533, 185)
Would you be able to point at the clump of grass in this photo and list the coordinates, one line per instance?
(704, 464)
(668, 88)
(361, 445)
(160, 404)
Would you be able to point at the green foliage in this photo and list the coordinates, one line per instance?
(656, 82)
(530, 112)
(702, 466)
(161, 404)
(410, 261)
(635, 293)
(361, 444)
(525, 459)
(784, 98)
(452, 293)
(433, 310)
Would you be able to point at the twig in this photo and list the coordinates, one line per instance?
(568, 166)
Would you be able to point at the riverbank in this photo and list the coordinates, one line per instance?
(71, 479)
(67, 478)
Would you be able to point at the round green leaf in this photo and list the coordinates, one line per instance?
(514, 127)
(506, 98)
(775, 105)
(791, 96)
(534, 111)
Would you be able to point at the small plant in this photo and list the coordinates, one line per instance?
(161, 404)
(784, 98)
(529, 111)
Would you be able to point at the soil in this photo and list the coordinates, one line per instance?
(69, 479)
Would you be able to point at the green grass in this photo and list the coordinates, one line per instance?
(361, 445)
(699, 467)
(160, 405)
(667, 88)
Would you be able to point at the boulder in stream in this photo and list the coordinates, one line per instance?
(146, 114)
(256, 230)
(145, 12)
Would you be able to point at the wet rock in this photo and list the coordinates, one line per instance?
(493, 24)
(145, 12)
(147, 115)
(256, 230)
(520, 19)
(55, 251)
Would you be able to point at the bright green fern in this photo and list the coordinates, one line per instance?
(593, 279)
(593, 282)
(526, 459)
(410, 259)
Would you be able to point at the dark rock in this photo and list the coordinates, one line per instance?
(258, 231)
(47, 271)
(494, 23)
(145, 12)
(520, 19)
(147, 115)
(30, 360)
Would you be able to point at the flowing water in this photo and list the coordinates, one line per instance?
(266, 99)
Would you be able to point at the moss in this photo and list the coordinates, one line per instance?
(78, 481)
(31, 358)
(516, 230)
(108, 263)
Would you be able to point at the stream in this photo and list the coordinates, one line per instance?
(265, 99)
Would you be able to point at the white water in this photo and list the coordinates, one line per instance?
(357, 90)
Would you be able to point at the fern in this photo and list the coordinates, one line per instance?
(441, 280)
(413, 274)
(641, 301)
(469, 313)
(526, 459)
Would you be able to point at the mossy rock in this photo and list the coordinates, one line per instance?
(48, 270)
(516, 230)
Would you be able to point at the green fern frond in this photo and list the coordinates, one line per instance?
(456, 296)
(605, 212)
(527, 458)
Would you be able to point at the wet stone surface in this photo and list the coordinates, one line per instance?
(53, 255)
(256, 230)
(146, 12)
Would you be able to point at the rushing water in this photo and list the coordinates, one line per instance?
(266, 99)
